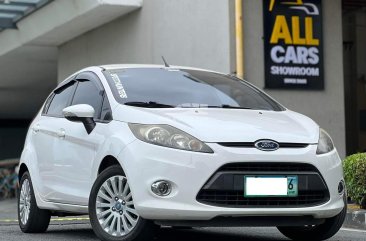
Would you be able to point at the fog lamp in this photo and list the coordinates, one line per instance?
(341, 187)
(161, 188)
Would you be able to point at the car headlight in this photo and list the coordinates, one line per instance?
(168, 136)
(325, 144)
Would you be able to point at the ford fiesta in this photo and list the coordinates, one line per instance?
(138, 146)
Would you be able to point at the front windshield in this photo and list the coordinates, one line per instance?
(174, 88)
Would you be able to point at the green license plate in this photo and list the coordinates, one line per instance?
(270, 186)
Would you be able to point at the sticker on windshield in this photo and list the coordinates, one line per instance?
(119, 86)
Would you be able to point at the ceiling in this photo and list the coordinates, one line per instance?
(29, 48)
(12, 11)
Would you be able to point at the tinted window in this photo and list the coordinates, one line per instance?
(47, 103)
(186, 88)
(61, 99)
(106, 114)
(88, 93)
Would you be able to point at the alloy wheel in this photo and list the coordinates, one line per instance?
(25, 202)
(115, 208)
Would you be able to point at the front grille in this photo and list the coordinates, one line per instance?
(268, 167)
(251, 145)
(226, 187)
(237, 199)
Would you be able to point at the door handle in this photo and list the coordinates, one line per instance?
(61, 133)
(36, 128)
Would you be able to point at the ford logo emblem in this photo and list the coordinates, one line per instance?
(266, 145)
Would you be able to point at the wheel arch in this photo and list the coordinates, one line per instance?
(22, 169)
(107, 162)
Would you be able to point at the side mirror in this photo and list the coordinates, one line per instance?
(81, 113)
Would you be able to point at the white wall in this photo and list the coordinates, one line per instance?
(325, 107)
(191, 33)
(201, 34)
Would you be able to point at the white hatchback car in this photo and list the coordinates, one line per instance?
(138, 146)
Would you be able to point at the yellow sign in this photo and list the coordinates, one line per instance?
(281, 31)
(295, 2)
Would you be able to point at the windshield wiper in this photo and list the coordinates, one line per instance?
(229, 107)
(150, 104)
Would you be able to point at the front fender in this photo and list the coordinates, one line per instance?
(113, 145)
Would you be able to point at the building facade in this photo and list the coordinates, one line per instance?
(65, 36)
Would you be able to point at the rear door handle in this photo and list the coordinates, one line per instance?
(61, 133)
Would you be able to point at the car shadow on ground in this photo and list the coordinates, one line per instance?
(169, 234)
(74, 234)
(166, 234)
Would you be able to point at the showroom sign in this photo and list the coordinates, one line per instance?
(293, 44)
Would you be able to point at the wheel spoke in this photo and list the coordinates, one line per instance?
(23, 190)
(102, 195)
(128, 196)
(27, 188)
(114, 187)
(120, 185)
(106, 221)
(125, 190)
(131, 210)
(22, 193)
(103, 214)
(111, 226)
(125, 226)
(108, 189)
(103, 205)
(119, 232)
(130, 219)
(129, 203)
(26, 214)
(22, 216)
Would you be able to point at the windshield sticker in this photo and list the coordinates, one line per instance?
(121, 91)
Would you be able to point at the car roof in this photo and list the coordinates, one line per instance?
(130, 66)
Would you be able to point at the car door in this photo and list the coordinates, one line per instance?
(46, 131)
(76, 152)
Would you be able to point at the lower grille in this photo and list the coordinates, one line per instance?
(268, 167)
(226, 187)
(237, 199)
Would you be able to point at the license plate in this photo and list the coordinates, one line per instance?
(270, 186)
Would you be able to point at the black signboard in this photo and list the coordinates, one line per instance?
(293, 44)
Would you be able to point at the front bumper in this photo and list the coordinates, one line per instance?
(189, 171)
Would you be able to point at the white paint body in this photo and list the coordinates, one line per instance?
(63, 160)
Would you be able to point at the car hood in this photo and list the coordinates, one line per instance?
(227, 125)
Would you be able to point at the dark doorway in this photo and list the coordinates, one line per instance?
(354, 58)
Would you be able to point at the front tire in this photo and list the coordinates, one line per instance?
(111, 209)
(31, 219)
(316, 233)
